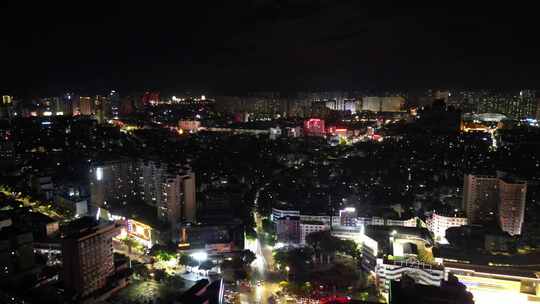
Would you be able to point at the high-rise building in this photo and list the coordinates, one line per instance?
(170, 189)
(383, 104)
(170, 205)
(189, 209)
(152, 174)
(87, 255)
(178, 200)
(511, 206)
(480, 197)
(102, 109)
(485, 196)
(515, 104)
(114, 104)
(86, 106)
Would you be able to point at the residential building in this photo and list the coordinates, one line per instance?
(87, 255)
(438, 222)
(382, 104)
(170, 189)
(486, 196)
(511, 205)
(86, 106)
(480, 197)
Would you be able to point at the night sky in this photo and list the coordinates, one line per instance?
(237, 46)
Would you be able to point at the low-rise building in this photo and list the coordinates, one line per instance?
(438, 222)
(422, 273)
(307, 227)
(379, 221)
(281, 212)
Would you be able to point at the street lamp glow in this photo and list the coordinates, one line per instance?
(200, 256)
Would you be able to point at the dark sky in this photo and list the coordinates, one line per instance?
(53, 46)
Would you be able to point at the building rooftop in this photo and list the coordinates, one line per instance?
(449, 211)
(495, 270)
(312, 223)
(376, 231)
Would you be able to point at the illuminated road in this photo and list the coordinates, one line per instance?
(261, 265)
(46, 208)
(259, 294)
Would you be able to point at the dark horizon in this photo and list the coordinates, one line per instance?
(264, 45)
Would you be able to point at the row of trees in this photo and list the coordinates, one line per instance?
(301, 263)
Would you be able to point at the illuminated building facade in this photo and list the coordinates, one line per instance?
(278, 213)
(348, 217)
(438, 223)
(515, 104)
(141, 232)
(86, 106)
(491, 285)
(190, 126)
(314, 127)
(379, 221)
(7, 100)
(422, 273)
(383, 104)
